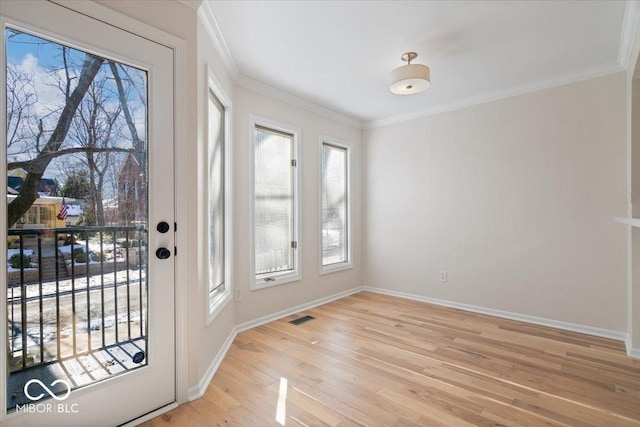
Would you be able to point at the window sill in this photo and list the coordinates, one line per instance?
(261, 284)
(334, 268)
(634, 222)
(218, 305)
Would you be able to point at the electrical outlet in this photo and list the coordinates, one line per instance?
(238, 295)
(443, 276)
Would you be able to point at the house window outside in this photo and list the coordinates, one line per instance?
(32, 215)
(45, 216)
(335, 205)
(275, 203)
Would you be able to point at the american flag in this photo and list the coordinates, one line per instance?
(63, 211)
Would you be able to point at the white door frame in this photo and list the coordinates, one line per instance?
(178, 46)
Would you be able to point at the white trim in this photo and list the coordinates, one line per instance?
(198, 391)
(348, 147)
(293, 310)
(210, 23)
(574, 327)
(214, 85)
(298, 101)
(193, 4)
(634, 222)
(213, 29)
(296, 273)
(631, 352)
(591, 73)
(178, 46)
(630, 23)
(181, 216)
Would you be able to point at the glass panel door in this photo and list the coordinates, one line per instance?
(89, 179)
(76, 285)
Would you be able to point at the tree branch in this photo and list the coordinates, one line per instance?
(75, 150)
(29, 191)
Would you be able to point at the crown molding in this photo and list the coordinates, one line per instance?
(205, 12)
(215, 34)
(193, 4)
(591, 73)
(630, 24)
(297, 101)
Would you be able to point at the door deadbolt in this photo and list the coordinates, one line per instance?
(163, 227)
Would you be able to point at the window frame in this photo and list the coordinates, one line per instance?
(348, 147)
(295, 274)
(216, 304)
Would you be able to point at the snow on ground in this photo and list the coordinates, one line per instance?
(12, 252)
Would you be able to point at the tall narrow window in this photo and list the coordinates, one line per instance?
(216, 198)
(335, 201)
(275, 205)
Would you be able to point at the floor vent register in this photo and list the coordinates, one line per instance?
(301, 320)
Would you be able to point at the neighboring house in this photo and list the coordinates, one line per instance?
(44, 213)
(16, 178)
(132, 192)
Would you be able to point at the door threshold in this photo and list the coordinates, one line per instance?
(150, 415)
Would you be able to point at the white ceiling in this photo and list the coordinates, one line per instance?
(338, 54)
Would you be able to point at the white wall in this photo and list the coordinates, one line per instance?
(633, 91)
(514, 198)
(262, 302)
(205, 341)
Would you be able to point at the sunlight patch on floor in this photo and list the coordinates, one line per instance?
(281, 411)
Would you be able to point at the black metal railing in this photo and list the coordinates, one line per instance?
(72, 291)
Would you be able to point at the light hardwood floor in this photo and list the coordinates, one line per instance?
(374, 360)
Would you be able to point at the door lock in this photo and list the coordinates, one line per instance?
(163, 227)
(163, 253)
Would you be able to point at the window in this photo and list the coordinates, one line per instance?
(336, 205)
(216, 197)
(45, 216)
(275, 203)
(219, 221)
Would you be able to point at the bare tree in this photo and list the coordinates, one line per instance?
(37, 166)
(21, 98)
(93, 130)
(138, 144)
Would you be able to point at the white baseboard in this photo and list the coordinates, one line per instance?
(631, 352)
(589, 330)
(289, 311)
(198, 391)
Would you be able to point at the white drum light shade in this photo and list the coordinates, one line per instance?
(410, 78)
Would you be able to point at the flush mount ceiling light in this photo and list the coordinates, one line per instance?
(411, 78)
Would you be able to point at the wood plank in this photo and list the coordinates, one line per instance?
(374, 360)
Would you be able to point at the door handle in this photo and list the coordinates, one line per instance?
(163, 253)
